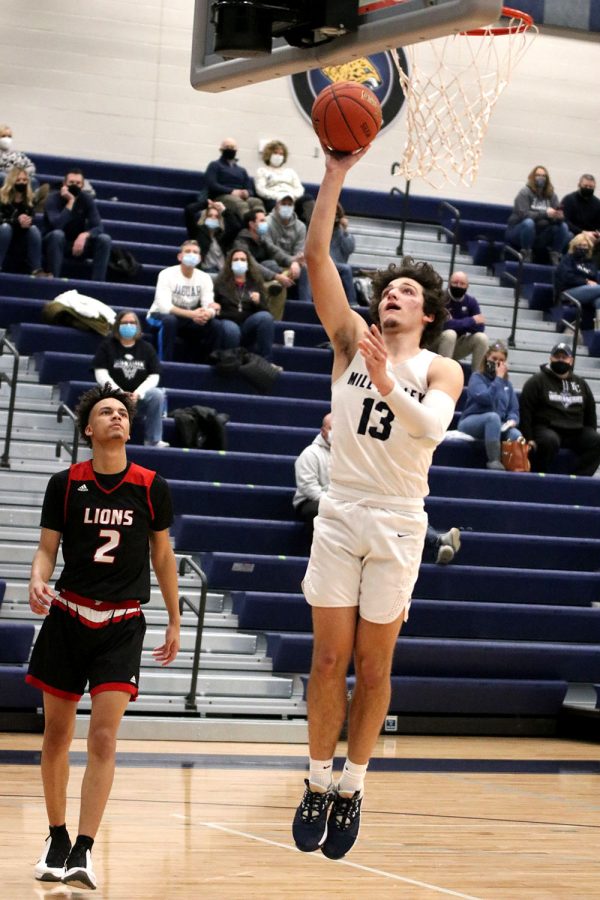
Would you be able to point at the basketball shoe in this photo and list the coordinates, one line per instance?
(51, 864)
(342, 826)
(78, 871)
(309, 828)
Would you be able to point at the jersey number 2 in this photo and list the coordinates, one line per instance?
(102, 554)
(382, 430)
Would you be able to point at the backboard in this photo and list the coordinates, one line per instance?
(384, 25)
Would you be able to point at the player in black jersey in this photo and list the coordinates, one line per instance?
(113, 517)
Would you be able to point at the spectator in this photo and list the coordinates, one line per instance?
(288, 233)
(537, 221)
(558, 410)
(312, 481)
(215, 232)
(276, 178)
(276, 266)
(230, 183)
(10, 158)
(582, 209)
(464, 329)
(184, 306)
(73, 227)
(492, 410)
(577, 273)
(341, 247)
(18, 234)
(240, 291)
(129, 363)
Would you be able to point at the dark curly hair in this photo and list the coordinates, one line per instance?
(434, 298)
(95, 395)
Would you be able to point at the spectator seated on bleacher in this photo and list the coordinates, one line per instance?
(558, 410)
(537, 222)
(288, 233)
(230, 183)
(340, 249)
(20, 239)
(582, 210)
(10, 158)
(215, 231)
(577, 273)
(184, 307)
(275, 178)
(491, 412)
(277, 268)
(464, 329)
(73, 228)
(240, 292)
(129, 363)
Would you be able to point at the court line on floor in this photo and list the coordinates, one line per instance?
(344, 862)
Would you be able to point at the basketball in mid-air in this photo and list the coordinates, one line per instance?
(346, 116)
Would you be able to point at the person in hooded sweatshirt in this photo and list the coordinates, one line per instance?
(558, 410)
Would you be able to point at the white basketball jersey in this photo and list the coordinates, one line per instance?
(371, 453)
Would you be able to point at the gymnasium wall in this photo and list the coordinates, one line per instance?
(109, 79)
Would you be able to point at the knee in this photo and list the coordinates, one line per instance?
(5, 230)
(56, 237)
(372, 672)
(57, 736)
(102, 743)
(329, 663)
(480, 340)
(103, 241)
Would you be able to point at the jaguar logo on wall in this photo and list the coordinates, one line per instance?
(377, 72)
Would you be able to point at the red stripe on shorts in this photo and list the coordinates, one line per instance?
(123, 686)
(64, 695)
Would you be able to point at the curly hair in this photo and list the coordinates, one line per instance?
(270, 148)
(548, 190)
(434, 298)
(95, 395)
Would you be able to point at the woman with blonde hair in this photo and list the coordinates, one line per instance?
(18, 234)
(537, 221)
(275, 179)
(577, 273)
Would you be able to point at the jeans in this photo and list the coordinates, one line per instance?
(30, 237)
(150, 409)
(56, 246)
(257, 332)
(488, 426)
(216, 334)
(526, 236)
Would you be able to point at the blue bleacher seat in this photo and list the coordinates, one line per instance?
(16, 639)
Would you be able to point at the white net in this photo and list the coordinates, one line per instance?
(451, 89)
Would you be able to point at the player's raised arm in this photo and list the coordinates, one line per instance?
(338, 320)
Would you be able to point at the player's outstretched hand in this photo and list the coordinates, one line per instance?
(167, 652)
(41, 596)
(336, 161)
(373, 351)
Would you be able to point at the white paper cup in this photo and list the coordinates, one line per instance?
(288, 337)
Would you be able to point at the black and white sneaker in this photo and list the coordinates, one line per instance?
(309, 828)
(343, 825)
(78, 870)
(51, 864)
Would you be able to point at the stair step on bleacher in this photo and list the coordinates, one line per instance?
(217, 684)
(213, 641)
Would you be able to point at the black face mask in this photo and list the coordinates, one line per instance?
(457, 292)
(74, 189)
(228, 153)
(20, 188)
(560, 367)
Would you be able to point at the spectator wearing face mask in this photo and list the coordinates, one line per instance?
(288, 233)
(577, 273)
(275, 178)
(19, 237)
(240, 291)
(582, 209)
(73, 228)
(537, 221)
(184, 307)
(215, 232)
(278, 269)
(558, 410)
(230, 183)
(464, 329)
(9, 157)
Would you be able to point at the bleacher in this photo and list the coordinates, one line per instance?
(503, 636)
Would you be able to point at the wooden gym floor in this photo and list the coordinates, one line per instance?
(486, 818)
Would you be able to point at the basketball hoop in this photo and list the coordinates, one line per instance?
(451, 89)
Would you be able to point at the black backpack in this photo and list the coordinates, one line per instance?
(122, 265)
(200, 427)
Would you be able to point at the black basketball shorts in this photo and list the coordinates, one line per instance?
(67, 655)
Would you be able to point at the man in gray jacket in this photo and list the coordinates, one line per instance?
(289, 234)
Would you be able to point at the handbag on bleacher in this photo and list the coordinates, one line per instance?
(515, 455)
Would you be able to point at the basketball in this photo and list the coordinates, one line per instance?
(346, 116)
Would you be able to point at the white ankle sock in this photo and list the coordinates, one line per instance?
(353, 778)
(320, 771)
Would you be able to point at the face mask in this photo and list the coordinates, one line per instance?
(262, 227)
(586, 191)
(5, 143)
(228, 153)
(286, 211)
(20, 188)
(457, 292)
(128, 330)
(239, 267)
(560, 367)
(190, 259)
(540, 181)
(579, 253)
(74, 189)
(276, 160)
(212, 224)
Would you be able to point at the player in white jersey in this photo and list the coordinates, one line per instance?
(392, 401)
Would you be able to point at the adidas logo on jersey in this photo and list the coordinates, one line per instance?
(132, 679)
(82, 487)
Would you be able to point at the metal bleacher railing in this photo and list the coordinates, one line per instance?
(11, 381)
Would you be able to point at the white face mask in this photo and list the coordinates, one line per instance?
(5, 143)
(276, 159)
(285, 211)
(190, 259)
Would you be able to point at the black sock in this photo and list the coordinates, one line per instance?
(59, 832)
(83, 842)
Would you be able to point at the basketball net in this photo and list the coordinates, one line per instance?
(451, 89)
